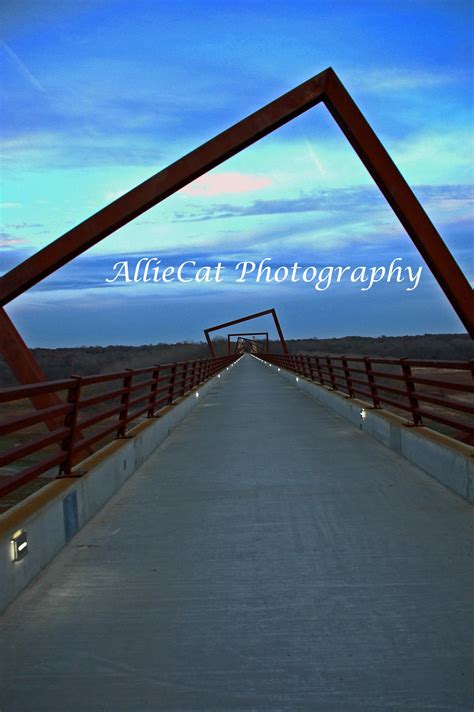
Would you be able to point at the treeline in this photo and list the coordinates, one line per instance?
(87, 360)
(444, 347)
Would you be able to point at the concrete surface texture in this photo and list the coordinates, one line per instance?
(55, 513)
(268, 556)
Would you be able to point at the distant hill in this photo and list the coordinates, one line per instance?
(63, 362)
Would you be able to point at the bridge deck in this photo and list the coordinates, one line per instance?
(269, 556)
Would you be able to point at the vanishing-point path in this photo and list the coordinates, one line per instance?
(268, 556)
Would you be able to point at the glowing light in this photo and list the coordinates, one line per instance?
(19, 544)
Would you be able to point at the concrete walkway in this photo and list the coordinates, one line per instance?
(269, 556)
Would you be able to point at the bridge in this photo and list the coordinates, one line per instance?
(249, 531)
(269, 554)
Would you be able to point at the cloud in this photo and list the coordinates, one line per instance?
(393, 79)
(23, 225)
(21, 67)
(63, 147)
(7, 240)
(315, 158)
(347, 201)
(221, 183)
(324, 201)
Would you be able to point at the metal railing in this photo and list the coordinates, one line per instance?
(417, 387)
(95, 408)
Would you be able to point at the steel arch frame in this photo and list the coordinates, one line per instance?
(324, 88)
(255, 346)
(248, 333)
(270, 312)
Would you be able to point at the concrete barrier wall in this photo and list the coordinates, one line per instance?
(447, 460)
(55, 513)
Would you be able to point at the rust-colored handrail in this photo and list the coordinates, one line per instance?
(161, 385)
(356, 377)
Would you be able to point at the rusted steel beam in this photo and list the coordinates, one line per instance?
(161, 186)
(247, 333)
(266, 312)
(324, 87)
(238, 321)
(400, 197)
(210, 344)
(258, 344)
(255, 346)
(26, 368)
(238, 344)
(24, 365)
(280, 332)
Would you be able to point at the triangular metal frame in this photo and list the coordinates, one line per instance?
(325, 88)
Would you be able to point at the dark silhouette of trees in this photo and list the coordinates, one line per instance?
(86, 360)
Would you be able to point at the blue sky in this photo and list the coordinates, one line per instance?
(101, 94)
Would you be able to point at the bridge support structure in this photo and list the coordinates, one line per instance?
(326, 88)
(243, 334)
(242, 319)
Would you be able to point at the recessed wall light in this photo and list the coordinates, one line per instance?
(19, 542)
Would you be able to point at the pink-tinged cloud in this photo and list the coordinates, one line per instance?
(221, 183)
(7, 240)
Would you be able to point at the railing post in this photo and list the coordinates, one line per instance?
(124, 403)
(310, 367)
(172, 382)
(331, 373)
(199, 372)
(320, 373)
(304, 362)
(372, 384)
(307, 370)
(153, 390)
(347, 373)
(184, 373)
(411, 392)
(193, 375)
(70, 421)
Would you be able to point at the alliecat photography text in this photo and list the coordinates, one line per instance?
(321, 278)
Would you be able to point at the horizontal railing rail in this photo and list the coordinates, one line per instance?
(96, 408)
(409, 385)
